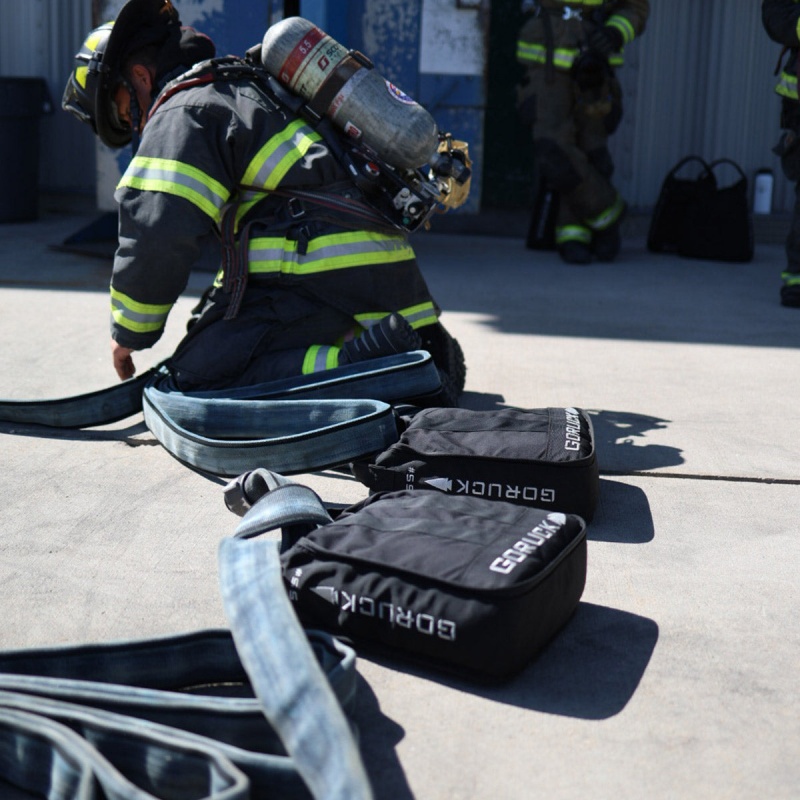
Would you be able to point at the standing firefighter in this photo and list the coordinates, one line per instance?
(570, 94)
(782, 22)
(311, 278)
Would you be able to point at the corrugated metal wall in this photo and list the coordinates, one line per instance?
(38, 38)
(700, 81)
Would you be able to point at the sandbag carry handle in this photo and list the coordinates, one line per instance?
(687, 160)
(710, 168)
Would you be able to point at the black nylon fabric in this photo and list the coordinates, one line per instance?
(543, 458)
(461, 583)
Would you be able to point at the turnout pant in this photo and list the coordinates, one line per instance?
(570, 134)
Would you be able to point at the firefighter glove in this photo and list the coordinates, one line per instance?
(605, 40)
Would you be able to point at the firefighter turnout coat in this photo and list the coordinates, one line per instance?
(214, 172)
(781, 20)
(572, 120)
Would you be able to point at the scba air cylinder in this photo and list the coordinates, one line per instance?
(343, 86)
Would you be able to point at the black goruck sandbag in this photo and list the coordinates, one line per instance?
(456, 582)
(542, 458)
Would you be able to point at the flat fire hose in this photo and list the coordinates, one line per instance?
(291, 425)
(143, 720)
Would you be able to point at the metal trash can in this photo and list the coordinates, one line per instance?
(22, 103)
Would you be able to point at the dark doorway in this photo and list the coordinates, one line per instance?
(508, 162)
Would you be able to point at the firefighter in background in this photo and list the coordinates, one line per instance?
(782, 22)
(571, 96)
(303, 287)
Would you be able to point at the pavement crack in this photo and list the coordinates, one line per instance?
(700, 477)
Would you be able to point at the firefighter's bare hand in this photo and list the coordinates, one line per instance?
(123, 363)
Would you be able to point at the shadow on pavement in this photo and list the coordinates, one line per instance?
(623, 515)
(378, 738)
(590, 670)
(615, 433)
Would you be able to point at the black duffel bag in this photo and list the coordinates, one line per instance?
(542, 457)
(472, 586)
(678, 193)
(699, 217)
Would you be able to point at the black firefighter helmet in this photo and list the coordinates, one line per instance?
(98, 64)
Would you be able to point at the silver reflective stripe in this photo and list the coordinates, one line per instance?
(279, 155)
(177, 178)
(137, 317)
(325, 253)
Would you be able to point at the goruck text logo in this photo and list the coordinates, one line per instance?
(573, 429)
(513, 492)
(528, 544)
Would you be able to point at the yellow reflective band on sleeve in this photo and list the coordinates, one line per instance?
(623, 25)
(326, 253)
(135, 316)
(320, 357)
(179, 179)
(80, 75)
(279, 155)
(797, 27)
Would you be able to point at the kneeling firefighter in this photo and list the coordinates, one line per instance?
(316, 267)
(572, 98)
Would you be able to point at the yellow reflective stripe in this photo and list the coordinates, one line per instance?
(787, 86)
(418, 316)
(563, 58)
(80, 75)
(247, 199)
(280, 153)
(326, 253)
(320, 357)
(135, 316)
(94, 38)
(607, 217)
(177, 178)
(791, 278)
(624, 26)
(573, 233)
(797, 28)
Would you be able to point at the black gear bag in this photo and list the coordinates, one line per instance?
(460, 583)
(699, 217)
(542, 458)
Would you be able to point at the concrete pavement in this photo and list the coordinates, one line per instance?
(678, 675)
